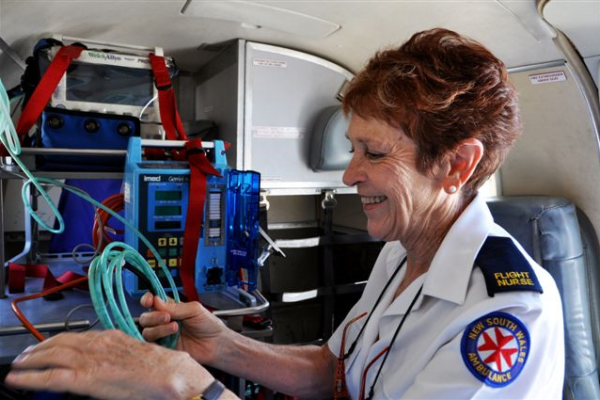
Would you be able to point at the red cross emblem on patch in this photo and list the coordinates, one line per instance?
(495, 348)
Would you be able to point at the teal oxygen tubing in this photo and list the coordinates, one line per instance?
(105, 273)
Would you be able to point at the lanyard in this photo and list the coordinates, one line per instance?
(387, 350)
(353, 345)
(340, 390)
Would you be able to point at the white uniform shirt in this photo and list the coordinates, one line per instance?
(427, 361)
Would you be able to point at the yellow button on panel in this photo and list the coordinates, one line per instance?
(172, 262)
(173, 241)
(162, 242)
(152, 263)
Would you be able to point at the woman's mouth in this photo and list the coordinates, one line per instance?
(372, 199)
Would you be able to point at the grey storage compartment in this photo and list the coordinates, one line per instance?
(266, 101)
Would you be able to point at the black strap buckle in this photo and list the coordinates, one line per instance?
(163, 87)
(196, 150)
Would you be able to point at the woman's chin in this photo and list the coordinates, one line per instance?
(376, 232)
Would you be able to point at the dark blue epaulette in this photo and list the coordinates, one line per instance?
(504, 268)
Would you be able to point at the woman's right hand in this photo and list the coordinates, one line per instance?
(201, 332)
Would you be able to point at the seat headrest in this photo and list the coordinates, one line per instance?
(330, 149)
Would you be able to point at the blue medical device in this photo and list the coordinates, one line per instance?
(156, 200)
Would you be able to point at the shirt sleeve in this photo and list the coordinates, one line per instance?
(464, 368)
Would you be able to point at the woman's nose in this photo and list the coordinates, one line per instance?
(353, 173)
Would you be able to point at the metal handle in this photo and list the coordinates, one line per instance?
(262, 305)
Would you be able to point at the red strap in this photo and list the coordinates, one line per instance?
(200, 167)
(167, 104)
(18, 272)
(42, 93)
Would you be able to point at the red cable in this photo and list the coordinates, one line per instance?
(115, 203)
(28, 325)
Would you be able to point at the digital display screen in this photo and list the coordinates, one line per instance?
(167, 195)
(167, 210)
(167, 225)
(109, 84)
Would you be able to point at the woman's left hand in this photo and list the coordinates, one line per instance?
(108, 365)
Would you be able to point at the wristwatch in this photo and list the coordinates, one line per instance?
(212, 392)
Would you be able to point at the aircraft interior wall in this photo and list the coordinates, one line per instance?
(557, 154)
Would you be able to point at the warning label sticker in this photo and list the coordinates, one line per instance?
(549, 77)
(269, 63)
(277, 132)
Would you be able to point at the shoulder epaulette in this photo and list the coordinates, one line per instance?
(504, 268)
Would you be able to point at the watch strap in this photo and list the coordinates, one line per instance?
(212, 392)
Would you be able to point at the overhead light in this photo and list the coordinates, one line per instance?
(256, 16)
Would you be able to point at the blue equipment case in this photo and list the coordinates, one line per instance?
(156, 201)
(70, 129)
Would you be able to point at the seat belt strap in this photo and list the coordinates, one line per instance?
(200, 168)
(42, 93)
(167, 105)
(18, 272)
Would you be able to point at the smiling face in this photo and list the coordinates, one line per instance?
(397, 199)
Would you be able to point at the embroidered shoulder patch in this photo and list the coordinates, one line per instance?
(504, 268)
(495, 348)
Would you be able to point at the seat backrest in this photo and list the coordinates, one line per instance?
(329, 148)
(548, 229)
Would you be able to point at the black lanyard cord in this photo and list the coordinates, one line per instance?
(353, 345)
(387, 353)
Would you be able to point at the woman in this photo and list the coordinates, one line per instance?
(454, 308)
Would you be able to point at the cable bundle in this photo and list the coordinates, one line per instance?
(105, 269)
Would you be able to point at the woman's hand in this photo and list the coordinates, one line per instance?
(201, 332)
(108, 365)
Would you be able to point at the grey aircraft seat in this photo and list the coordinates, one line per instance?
(549, 231)
(329, 148)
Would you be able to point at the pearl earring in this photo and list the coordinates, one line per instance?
(452, 189)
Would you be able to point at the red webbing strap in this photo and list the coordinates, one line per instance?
(167, 105)
(18, 272)
(200, 167)
(42, 93)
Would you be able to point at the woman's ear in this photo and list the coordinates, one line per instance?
(462, 162)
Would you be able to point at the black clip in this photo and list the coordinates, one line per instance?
(164, 87)
(196, 150)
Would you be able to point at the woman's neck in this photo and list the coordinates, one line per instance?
(424, 241)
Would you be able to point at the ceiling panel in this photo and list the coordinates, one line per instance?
(579, 20)
(365, 26)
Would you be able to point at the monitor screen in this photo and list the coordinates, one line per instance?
(109, 84)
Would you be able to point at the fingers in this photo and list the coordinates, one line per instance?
(52, 364)
(155, 333)
(147, 300)
(166, 312)
(179, 311)
(56, 379)
(48, 357)
(154, 318)
(66, 340)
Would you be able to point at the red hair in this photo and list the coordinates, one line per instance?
(441, 88)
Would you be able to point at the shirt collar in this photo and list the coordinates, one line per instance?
(454, 260)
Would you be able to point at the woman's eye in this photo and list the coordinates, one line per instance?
(351, 150)
(373, 156)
